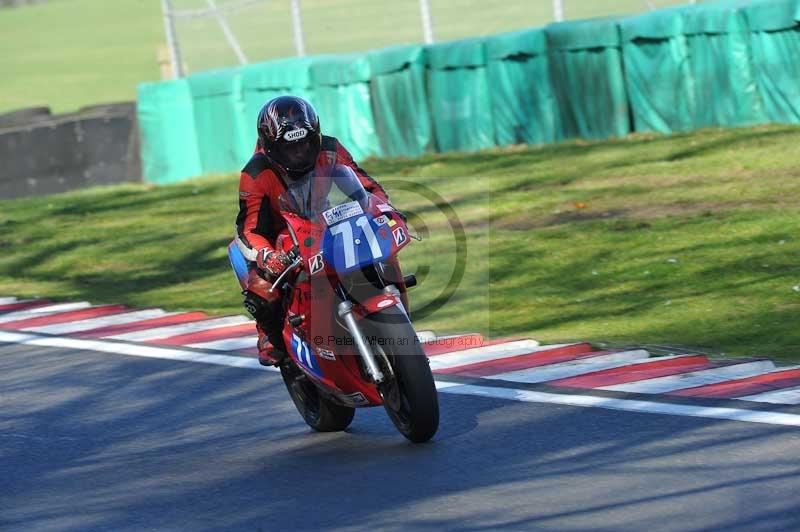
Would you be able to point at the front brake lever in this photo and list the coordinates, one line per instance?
(286, 272)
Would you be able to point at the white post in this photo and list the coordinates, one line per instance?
(172, 42)
(297, 22)
(427, 24)
(558, 10)
(229, 36)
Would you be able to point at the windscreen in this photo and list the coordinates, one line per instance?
(327, 192)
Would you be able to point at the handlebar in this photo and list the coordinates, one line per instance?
(297, 262)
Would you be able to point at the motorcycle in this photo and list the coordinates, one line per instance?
(350, 341)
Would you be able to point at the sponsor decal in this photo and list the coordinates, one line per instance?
(354, 399)
(295, 134)
(305, 355)
(392, 223)
(244, 194)
(342, 212)
(309, 241)
(326, 354)
(385, 303)
(381, 220)
(385, 207)
(399, 235)
(251, 307)
(316, 263)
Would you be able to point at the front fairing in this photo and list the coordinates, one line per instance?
(335, 236)
(337, 225)
(347, 245)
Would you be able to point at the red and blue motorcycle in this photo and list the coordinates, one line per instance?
(347, 328)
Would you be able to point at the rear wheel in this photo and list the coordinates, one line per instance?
(320, 413)
(410, 396)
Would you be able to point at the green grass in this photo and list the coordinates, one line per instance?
(689, 240)
(72, 53)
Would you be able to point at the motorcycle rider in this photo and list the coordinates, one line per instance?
(290, 144)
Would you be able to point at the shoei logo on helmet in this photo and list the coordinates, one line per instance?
(295, 134)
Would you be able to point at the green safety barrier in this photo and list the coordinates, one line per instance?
(523, 103)
(587, 75)
(167, 128)
(399, 101)
(342, 99)
(727, 63)
(218, 115)
(458, 93)
(774, 27)
(658, 72)
(725, 88)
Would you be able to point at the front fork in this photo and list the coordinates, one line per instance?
(367, 354)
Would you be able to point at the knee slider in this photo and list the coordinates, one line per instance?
(257, 306)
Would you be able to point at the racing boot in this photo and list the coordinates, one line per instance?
(271, 347)
(265, 307)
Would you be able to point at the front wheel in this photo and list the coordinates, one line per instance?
(410, 396)
(320, 413)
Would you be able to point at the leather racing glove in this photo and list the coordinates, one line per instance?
(272, 262)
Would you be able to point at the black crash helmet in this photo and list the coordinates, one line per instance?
(289, 133)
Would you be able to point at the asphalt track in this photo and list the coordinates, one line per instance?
(99, 441)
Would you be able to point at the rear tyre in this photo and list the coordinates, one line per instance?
(410, 397)
(321, 414)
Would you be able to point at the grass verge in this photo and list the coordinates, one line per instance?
(688, 240)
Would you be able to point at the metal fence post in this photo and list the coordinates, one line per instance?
(427, 24)
(229, 36)
(172, 42)
(558, 10)
(297, 22)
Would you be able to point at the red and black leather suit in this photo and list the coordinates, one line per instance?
(259, 222)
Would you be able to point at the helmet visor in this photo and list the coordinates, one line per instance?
(297, 156)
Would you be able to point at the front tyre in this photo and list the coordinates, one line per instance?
(320, 413)
(410, 397)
